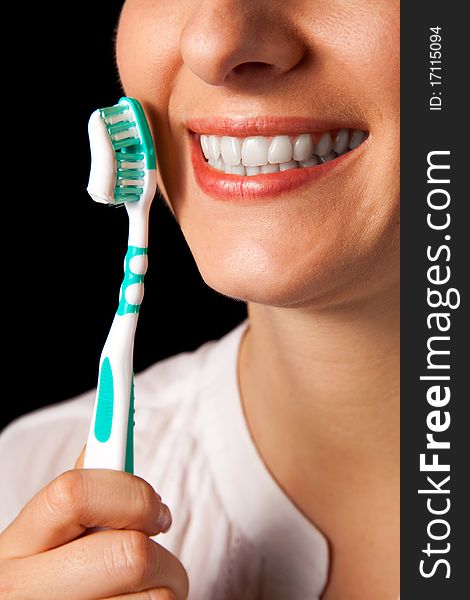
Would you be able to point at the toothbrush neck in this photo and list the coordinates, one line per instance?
(138, 224)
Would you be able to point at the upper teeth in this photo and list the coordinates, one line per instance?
(258, 154)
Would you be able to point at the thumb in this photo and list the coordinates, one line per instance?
(80, 459)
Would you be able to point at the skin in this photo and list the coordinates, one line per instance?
(63, 559)
(318, 267)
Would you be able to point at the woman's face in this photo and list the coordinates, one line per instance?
(294, 75)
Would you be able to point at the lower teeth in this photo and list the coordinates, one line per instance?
(240, 169)
(254, 149)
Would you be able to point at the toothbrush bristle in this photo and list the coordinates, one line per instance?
(123, 162)
(124, 135)
(121, 126)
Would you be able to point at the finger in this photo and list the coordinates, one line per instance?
(82, 499)
(155, 594)
(80, 459)
(101, 565)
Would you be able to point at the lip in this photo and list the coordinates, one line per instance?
(266, 126)
(237, 188)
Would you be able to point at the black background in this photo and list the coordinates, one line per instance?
(63, 253)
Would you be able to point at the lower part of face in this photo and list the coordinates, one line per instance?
(330, 63)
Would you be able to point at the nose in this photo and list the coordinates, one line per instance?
(237, 42)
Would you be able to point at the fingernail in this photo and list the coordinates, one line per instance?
(164, 518)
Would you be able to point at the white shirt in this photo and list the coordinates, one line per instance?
(236, 532)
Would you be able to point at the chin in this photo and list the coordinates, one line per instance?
(290, 280)
(261, 283)
(257, 290)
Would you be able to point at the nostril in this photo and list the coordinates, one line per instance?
(253, 68)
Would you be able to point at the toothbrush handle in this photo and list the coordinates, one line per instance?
(110, 438)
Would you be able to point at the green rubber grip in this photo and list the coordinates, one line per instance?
(129, 466)
(105, 405)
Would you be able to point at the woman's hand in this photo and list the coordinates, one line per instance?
(47, 552)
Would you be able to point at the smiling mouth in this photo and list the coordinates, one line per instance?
(259, 155)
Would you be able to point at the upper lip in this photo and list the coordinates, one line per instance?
(265, 126)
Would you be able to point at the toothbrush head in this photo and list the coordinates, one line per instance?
(123, 160)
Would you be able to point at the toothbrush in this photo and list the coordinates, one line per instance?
(123, 171)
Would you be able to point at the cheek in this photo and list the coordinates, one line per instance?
(299, 251)
(144, 53)
(146, 44)
(360, 47)
(148, 60)
(147, 48)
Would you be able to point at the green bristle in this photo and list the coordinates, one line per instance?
(126, 142)
(120, 126)
(130, 156)
(130, 174)
(121, 200)
(129, 149)
(110, 111)
(128, 189)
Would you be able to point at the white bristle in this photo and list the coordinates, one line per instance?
(132, 165)
(122, 135)
(136, 182)
(125, 116)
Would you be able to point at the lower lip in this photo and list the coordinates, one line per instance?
(238, 187)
